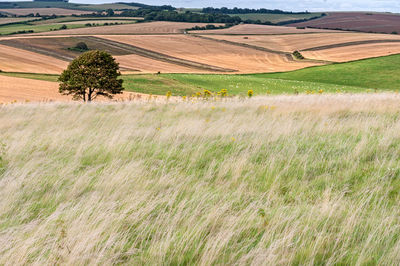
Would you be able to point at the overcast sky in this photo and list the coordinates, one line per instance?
(294, 5)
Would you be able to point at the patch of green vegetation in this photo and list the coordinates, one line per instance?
(45, 77)
(15, 28)
(159, 84)
(381, 73)
(83, 19)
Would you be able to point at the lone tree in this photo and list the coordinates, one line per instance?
(92, 74)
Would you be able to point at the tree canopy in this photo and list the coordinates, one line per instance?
(92, 74)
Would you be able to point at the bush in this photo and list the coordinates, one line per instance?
(82, 46)
(63, 27)
(298, 55)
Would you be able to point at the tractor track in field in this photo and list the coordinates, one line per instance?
(35, 49)
(158, 56)
(288, 55)
(345, 44)
(129, 49)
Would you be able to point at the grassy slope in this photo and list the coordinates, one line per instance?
(315, 180)
(381, 72)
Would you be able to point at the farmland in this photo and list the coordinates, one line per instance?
(142, 28)
(378, 74)
(14, 20)
(276, 18)
(356, 21)
(44, 11)
(153, 47)
(300, 42)
(15, 28)
(240, 59)
(252, 29)
(19, 60)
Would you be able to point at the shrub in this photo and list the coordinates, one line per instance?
(82, 46)
(298, 55)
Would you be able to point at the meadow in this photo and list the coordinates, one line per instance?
(306, 179)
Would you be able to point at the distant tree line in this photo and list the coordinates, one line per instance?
(139, 5)
(235, 10)
(171, 15)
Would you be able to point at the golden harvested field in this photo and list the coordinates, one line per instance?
(124, 21)
(356, 52)
(293, 42)
(148, 65)
(242, 59)
(20, 89)
(18, 60)
(13, 89)
(12, 20)
(158, 27)
(44, 11)
(259, 29)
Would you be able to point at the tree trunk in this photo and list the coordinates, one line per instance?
(89, 98)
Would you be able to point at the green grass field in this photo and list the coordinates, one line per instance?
(10, 29)
(276, 18)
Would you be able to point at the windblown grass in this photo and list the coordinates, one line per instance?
(271, 180)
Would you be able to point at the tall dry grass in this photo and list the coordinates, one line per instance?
(273, 180)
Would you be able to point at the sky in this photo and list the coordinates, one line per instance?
(289, 5)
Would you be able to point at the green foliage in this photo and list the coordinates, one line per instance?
(94, 73)
(80, 47)
(298, 55)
